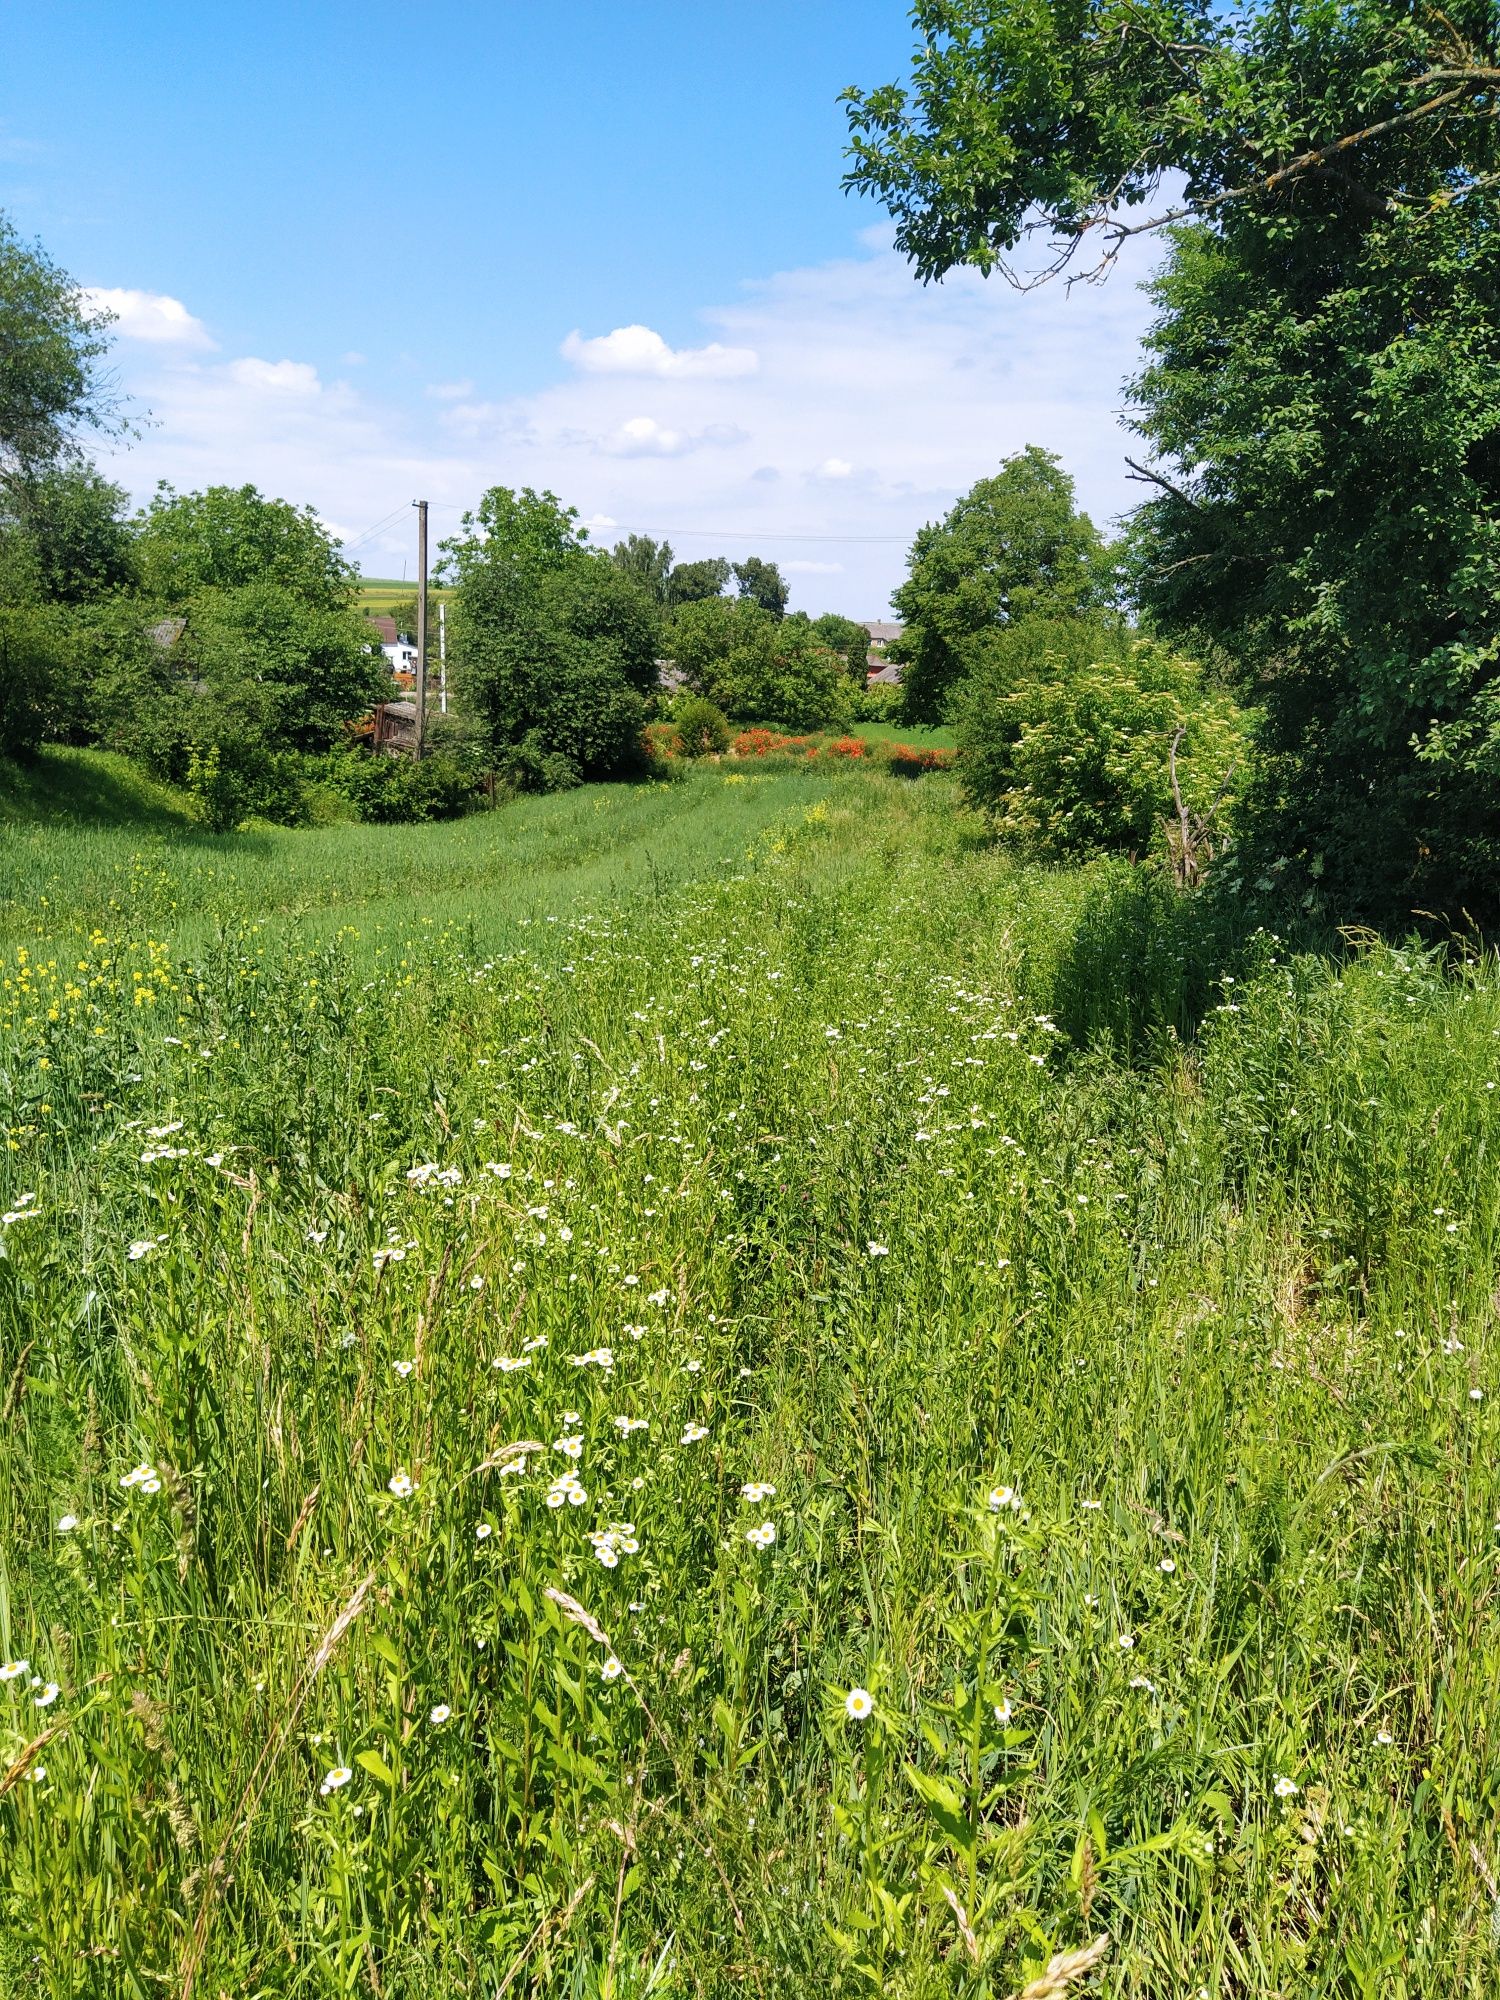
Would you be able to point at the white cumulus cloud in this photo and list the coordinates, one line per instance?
(151, 316)
(644, 437)
(873, 402)
(294, 378)
(638, 350)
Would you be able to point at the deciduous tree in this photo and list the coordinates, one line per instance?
(52, 341)
(1321, 400)
(763, 583)
(229, 536)
(1014, 547)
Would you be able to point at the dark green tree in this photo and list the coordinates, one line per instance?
(694, 581)
(763, 583)
(1014, 547)
(314, 667)
(51, 343)
(229, 536)
(1321, 402)
(64, 534)
(513, 535)
(849, 640)
(554, 649)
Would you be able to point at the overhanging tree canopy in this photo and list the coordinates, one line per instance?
(1075, 118)
(1322, 393)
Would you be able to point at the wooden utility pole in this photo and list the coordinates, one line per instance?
(421, 507)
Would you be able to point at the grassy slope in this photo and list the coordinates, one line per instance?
(141, 865)
(1214, 1316)
(67, 789)
(936, 737)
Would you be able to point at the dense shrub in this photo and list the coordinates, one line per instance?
(398, 791)
(876, 701)
(761, 743)
(33, 675)
(1077, 758)
(702, 729)
(751, 665)
(906, 760)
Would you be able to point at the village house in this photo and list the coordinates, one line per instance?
(881, 671)
(398, 647)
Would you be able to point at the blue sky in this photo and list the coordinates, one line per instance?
(361, 253)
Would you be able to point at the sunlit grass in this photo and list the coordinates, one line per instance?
(1126, 1433)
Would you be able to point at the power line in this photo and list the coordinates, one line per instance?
(723, 534)
(384, 522)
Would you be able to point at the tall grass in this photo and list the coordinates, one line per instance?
(1116, 1413)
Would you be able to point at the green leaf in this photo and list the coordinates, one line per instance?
(375, 1764)
(944, 1805)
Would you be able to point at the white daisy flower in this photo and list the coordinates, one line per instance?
(859, 1703)
(335, 1780)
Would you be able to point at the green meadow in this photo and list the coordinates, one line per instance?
(718, 1388)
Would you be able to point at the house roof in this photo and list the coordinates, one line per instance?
(887, 676)
(386, 627)
(881, 630)
(166, 632)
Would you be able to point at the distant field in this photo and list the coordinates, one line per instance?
(380, 593)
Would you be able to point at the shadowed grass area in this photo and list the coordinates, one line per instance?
(60, 787)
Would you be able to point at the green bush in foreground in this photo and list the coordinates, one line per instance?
(684, 1438)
